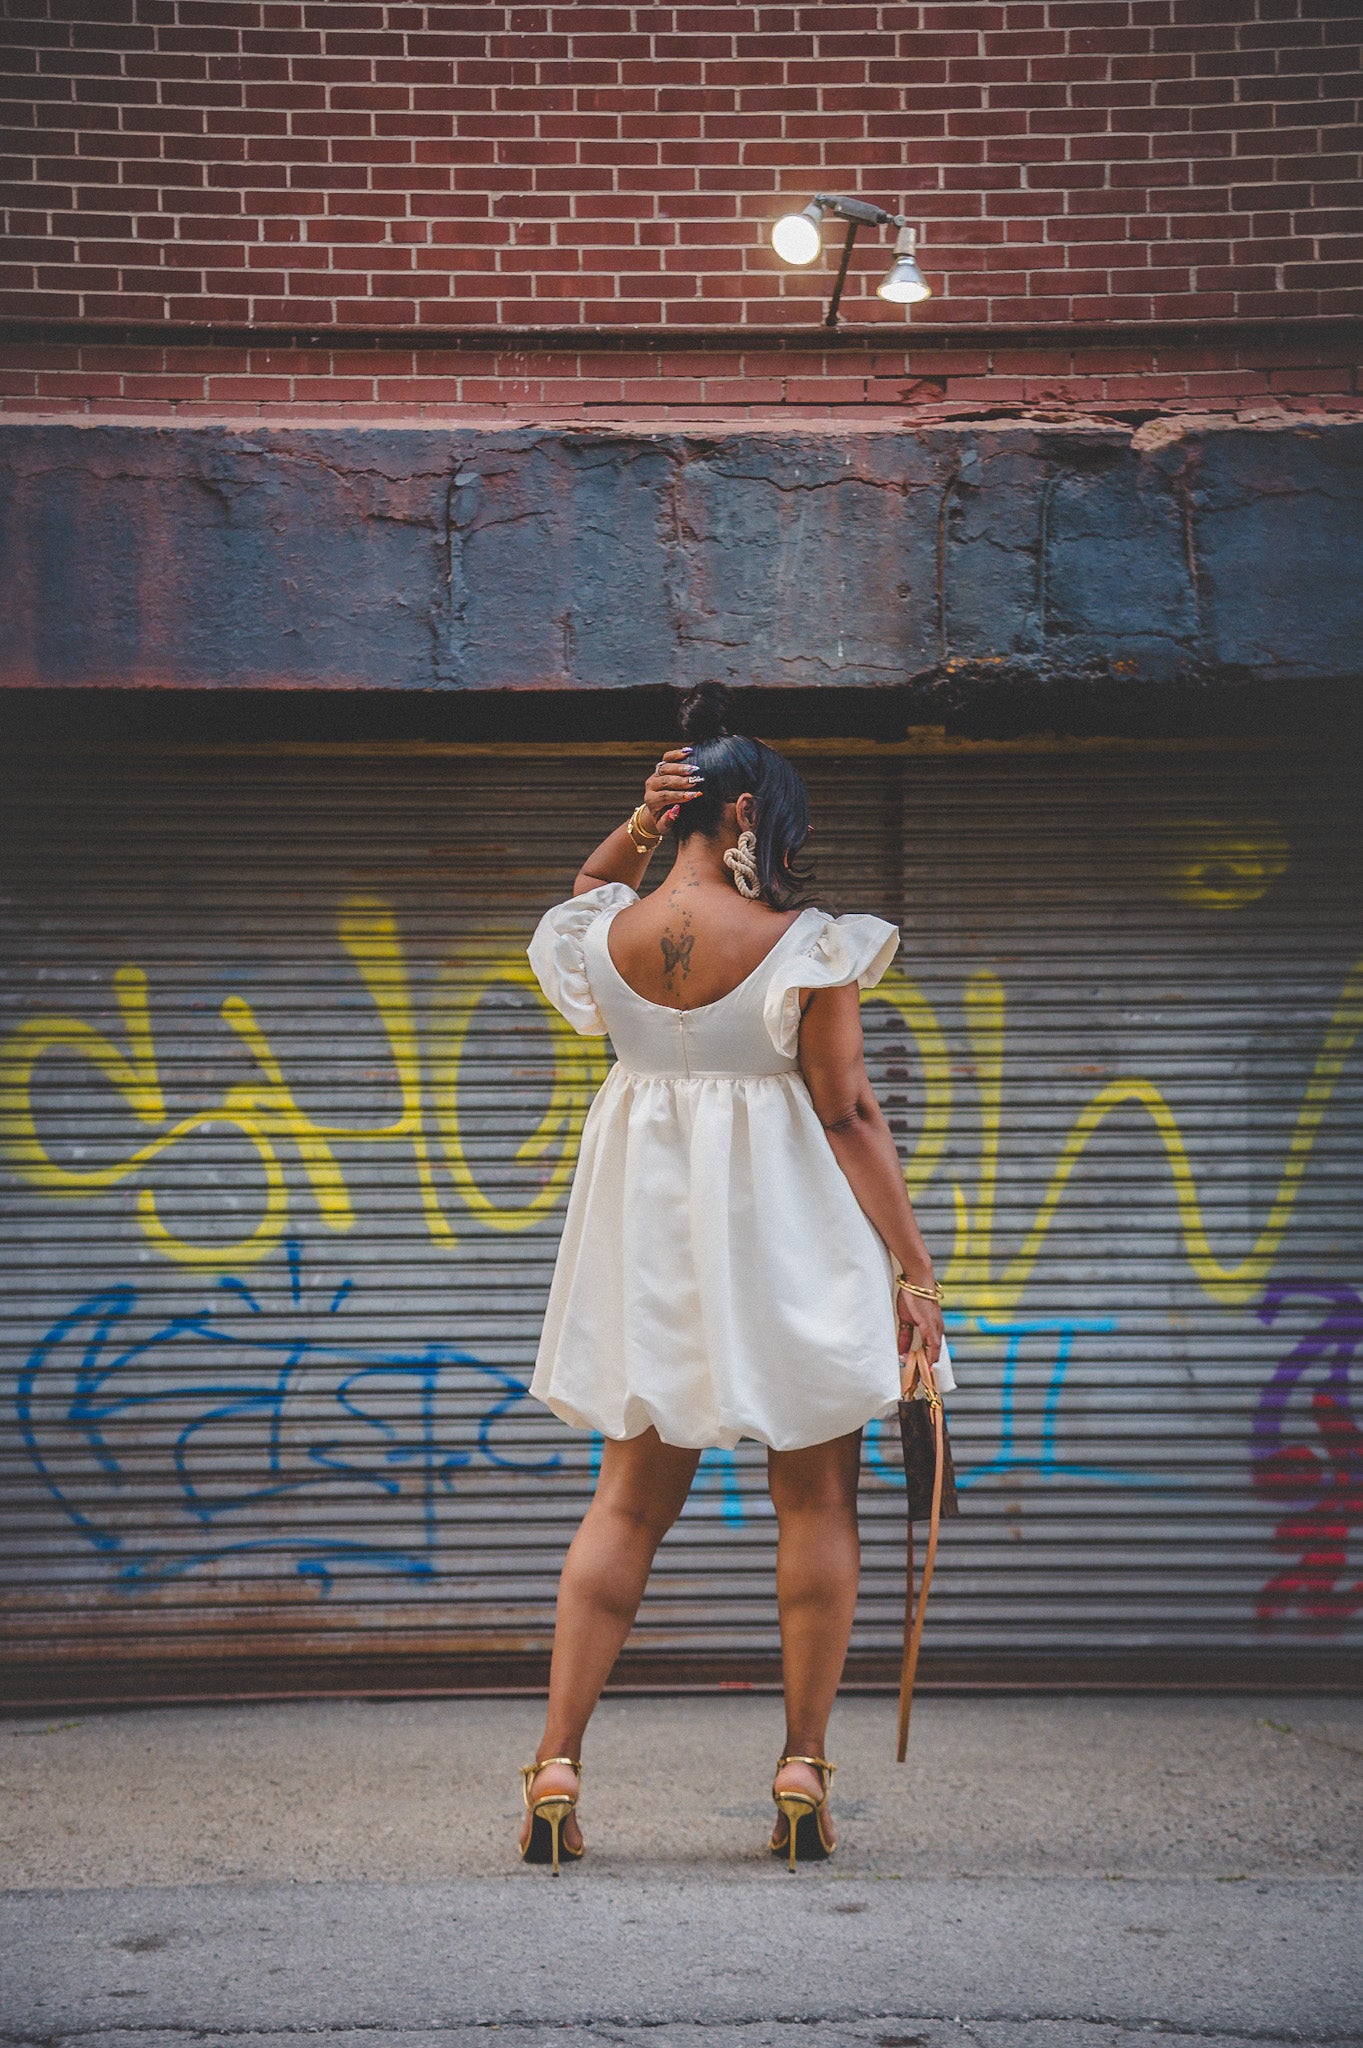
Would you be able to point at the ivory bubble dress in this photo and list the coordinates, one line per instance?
(717, 1277)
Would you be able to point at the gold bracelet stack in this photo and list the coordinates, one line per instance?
(640, 837)
(924, 1293)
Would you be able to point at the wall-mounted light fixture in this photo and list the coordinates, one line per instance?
(797, 239)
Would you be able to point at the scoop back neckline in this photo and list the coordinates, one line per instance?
(670, 1009)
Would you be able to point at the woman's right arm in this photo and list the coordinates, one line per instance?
(617, 858)
(832, 1060)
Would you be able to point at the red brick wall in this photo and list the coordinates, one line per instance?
(939, 379)
(305, 162)
(447, 171)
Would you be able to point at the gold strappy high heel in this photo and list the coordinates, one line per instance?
(547, 1813)
(805, 1835)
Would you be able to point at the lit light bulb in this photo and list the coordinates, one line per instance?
(796, 237)
(904, 283)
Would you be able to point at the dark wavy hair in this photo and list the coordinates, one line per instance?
(729, 763)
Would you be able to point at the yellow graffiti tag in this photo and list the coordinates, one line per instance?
(970, 1274)
(137, 1080)
(369, 933)
(266, 1113)
(579, 1070)
(1220, 865)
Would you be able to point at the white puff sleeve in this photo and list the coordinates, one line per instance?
(838, 950)
(557, 957)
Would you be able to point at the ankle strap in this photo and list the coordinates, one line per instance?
(817, 1763)
(528, 1771)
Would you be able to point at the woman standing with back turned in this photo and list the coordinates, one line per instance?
(740, 1257)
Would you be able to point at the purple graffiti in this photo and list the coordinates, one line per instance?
(1322, 1481)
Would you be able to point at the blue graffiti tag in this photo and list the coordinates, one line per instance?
(253, 1377)
(243, 1377)
(1008, 1457)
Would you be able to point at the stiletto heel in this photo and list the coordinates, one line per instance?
(547, 1814)
(804, 1817)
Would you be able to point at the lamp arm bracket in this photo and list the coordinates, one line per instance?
(859, 210)
(831, 316)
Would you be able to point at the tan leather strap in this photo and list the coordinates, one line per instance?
(914, 1610)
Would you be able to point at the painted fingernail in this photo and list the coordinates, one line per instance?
(670, 815)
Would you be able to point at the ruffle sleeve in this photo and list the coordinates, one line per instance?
(557, 957)
(838, 950)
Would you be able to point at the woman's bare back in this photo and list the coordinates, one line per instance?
(693, 941)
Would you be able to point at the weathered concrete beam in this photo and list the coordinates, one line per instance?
(398, 557)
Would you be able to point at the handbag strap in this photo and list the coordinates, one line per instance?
(914, 1610)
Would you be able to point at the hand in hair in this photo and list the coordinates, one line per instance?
(620, 857)
(668, 786)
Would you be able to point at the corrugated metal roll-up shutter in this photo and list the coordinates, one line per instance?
(287, 1137)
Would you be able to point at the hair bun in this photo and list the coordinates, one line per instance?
(704, 712)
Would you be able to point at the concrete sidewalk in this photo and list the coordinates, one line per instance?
(1044, 1872)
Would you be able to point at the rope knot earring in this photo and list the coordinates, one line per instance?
(741, 861)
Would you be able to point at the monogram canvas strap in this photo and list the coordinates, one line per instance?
(914, 1610)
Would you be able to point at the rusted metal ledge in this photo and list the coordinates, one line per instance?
(967, 563)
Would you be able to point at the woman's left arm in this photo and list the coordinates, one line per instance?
(617, 858)
(832, 1060)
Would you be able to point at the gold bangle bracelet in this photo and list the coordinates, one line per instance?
(924, 1293)
(640, 838)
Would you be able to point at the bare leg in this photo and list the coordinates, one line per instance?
(818, 1564)
(639, 1494)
